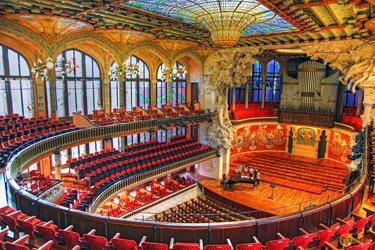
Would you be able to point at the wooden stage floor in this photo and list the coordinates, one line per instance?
(285, 200)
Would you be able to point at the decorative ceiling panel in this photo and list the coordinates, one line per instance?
(123, 38)
(191, 11)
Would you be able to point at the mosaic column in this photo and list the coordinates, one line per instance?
(359, 102)
(246, 95)
(153, 100)
(368, 102)
(233, 98)
(57, 156)
(106, 104)
(121, 86)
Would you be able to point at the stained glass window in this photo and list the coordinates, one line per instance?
(137, 87)
(16, 87)
(273, 82)
(161, 135)
(80, 91)
(177, 92)
(161, 88)
(255, 91)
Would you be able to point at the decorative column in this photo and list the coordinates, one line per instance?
(107, 143)
(57, 156)
(52, 94)
(121, 85)
(106, 104)
(340, 100)
(328, 140)
(264, 76)
(359, 102)
(368, 102)
(40, 102)
(246, 95)
(153, 98)
(169, 89)
(233, 98)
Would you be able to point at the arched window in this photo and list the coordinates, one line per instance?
(178, 88)
(16, 87)
(256, 83)
(137, 87)
(273, 82)
(80, 90)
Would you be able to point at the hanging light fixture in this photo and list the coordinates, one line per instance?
(124, 69)
(41, 68)
(176, 72)
(63, 67)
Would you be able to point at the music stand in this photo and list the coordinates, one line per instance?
(272, 186)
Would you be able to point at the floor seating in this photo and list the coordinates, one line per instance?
(75, 199)
(202, 210)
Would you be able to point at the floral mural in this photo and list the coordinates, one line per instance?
(306, 136)
(259, 137)
(339, 147)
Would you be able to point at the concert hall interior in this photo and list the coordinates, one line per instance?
(187, 124)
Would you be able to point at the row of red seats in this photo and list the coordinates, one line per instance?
(32, 124)
(355, 226)
(129, 156)
(125, 160)
(352, 111)
(355, 122)
(253, 105)
(249, 113)
(75, 199)
(8, 117)
(91, 157)
(145, 167)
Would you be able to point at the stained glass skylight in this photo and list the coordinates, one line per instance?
(226, 20)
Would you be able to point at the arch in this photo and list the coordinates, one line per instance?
(16, 85)
(156, 49)
(80, 90)
(193, 54)
(98, 42)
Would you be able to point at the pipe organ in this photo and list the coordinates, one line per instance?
(312, 91)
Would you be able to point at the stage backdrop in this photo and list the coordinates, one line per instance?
(274, 137)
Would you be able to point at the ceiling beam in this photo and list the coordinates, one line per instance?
(315, 4)
(93, 9)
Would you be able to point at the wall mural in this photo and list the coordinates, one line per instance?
(259, 137)
(339, 147)
(306, 136)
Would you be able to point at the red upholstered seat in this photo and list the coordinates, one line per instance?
(47, 232)
(303, 240)
(95, 242)
(11, 246)
(346, 228)
(365, 246)
(324, 235)
(185, 246)
(71, 238)
(217, 247)
(154, 246)
(249, 246)
(277, 244)
(2, 244)
(360, 225)
(27, 228)
(123, 244)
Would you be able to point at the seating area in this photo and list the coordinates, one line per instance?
(203, 210)
(105, 168)
(36, 182)
(354, 121)
(18, 132)
(295, 172)
(253, 110)
(126, 201)
(352, 111)
(75, 199)
(120, 115)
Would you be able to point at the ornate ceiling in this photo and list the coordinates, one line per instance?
(130, 22)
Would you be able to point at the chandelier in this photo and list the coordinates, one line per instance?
(176, 72)
(225, 19)
(124, 69)
(41, 68)
(62, 67)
